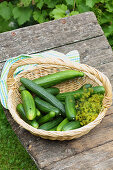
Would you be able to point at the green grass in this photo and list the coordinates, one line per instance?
(13, 156)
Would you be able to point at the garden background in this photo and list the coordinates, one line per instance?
(15, 14)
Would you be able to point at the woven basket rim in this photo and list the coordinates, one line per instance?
(54, 135)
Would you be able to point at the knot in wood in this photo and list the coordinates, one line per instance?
(13, 33)
(63, 21)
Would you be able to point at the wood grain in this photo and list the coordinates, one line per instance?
(96, 157)
(49, 35)
(94, 52)
(105, 165)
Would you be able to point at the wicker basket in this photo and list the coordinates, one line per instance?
(52, 65)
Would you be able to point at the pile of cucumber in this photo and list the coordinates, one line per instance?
(44, 107)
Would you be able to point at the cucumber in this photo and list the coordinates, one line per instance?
(53, 90)
(86, 86)
(34, 123)
(60, 126)
(51, 124)
(22, 114)
(56, 78)
(41, 92)
(21, 88)
(98, 90)
(45, 106)
(53, 129)
(28, 104)
(71, 125)
(46, 118)
(70, 107)
(62, 96)
(78, 93)
(38, 113)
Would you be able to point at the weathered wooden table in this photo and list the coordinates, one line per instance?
(93, 151)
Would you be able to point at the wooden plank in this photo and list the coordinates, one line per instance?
(46, 152)
(105, 165)
(107, 69)
(96, 49)
(110, 110)
(101, 155)
(94, 52)
(49, 35)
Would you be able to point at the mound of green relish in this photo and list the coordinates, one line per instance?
(88, 107)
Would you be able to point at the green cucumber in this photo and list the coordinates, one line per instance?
(41, 92)
(38, 113)
(53, 90)
(45, 106)
(51, 124)
(21, 88)
(34, 123)
(53, 129)
(28, 104)
(61, 125)
(86, 86)
(78, 93)
(62, 96)
(22, 114)
(46, 118)
(70, 107)
(56, 78)
(98, 90)
(71, 125)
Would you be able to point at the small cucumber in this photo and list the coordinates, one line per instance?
(70, 107)
(51, 124)
(34, 123)
(86, 86)
(41, 92)
(78, 93)
(22, 114)
(53, 129)
(53, 90)
(38, 113)
(45, 106)
(98, 90)
(28, 104)
(56, 78)
(62, 96)
(21, 88)
(46, 118)
(71, 125)
(61, 125)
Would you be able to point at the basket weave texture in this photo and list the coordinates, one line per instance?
(48, 66)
